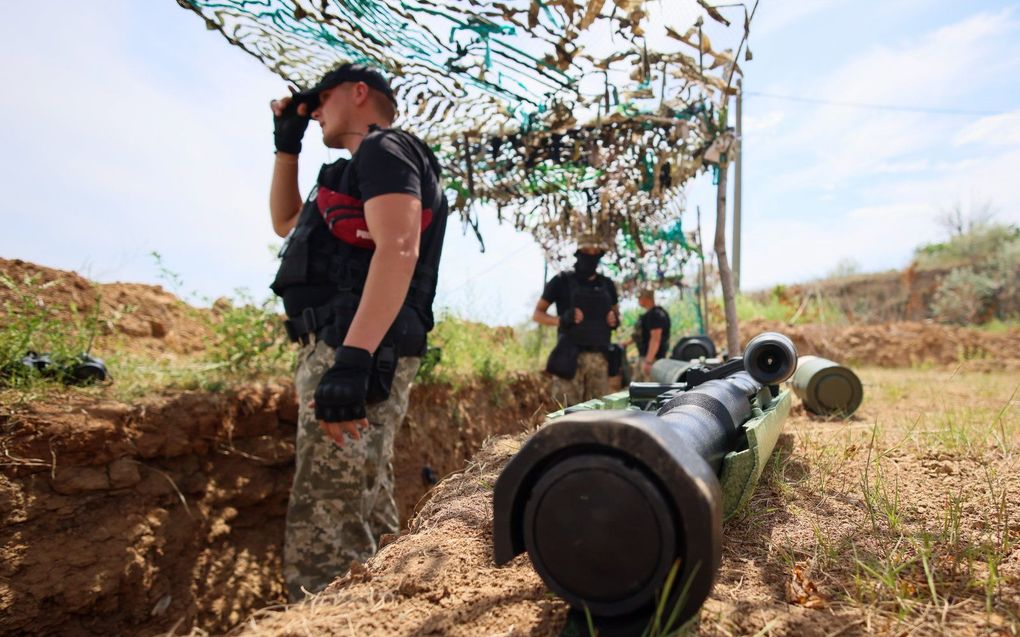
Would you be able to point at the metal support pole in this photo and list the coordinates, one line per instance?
(702, 279)
(736, 191)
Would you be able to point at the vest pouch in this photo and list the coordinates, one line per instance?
(400, 340)
(380, 378)
(293, 261)
(563, 359)
(614, 359)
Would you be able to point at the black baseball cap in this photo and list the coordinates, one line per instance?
(346, 73)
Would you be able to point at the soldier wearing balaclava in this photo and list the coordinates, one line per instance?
(587, 313)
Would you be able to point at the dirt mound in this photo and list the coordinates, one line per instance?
(903, 344)
(136, 317)
(438, 580)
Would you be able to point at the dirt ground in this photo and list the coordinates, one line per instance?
(166, 513)
(901, 521)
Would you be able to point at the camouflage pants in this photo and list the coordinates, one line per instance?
(591, 380)
(341, 500)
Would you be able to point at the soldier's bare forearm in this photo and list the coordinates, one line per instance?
(284, 196)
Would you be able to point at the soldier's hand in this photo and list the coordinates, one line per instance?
(646, 368)
(571, 318)
(336, 430)
(290, 119)
(340, 397)
(611, 319)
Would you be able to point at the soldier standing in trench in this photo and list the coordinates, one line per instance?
(357, 279)
(587, 307)
(653, 341)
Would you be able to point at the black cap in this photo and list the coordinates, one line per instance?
(346, 73)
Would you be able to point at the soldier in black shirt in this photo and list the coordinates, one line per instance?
(654, 333)
(587, 311)
(357, 279)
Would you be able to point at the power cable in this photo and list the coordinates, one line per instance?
(878, 107)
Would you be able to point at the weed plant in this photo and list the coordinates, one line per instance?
(247, 341)
(249, 337)
(466, 350)
(30, 324)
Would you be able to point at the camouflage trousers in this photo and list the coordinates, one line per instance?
(341, 500)
(591, 380)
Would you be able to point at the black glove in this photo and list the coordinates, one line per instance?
(340, 395)
(567, 319)
(289, 128)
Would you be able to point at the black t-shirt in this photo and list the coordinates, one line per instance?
(655, 318)
(558, 292)
(387, 161)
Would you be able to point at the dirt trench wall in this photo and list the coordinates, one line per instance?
(133, 519)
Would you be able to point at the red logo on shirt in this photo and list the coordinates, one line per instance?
(345, 217)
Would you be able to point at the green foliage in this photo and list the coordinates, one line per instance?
(250, 339)
(781, 307)
(427, 370)
(984, 283)
(977, 245)
(475, 350)
(964, 297)
(28, 323)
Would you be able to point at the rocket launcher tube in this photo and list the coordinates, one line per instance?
(605, 502)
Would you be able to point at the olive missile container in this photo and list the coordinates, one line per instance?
(827, 388)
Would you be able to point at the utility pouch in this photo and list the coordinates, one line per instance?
(400, 340)
(614, 359)
(563, 359)
(294, 254)
(380, 378)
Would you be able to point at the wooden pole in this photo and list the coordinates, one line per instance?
(725, 275)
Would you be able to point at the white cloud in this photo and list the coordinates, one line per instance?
(996, 130)
(882, 237)
(943, 67)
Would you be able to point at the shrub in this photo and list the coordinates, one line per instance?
(250, 338)
(984, 283)
(30, 324)
(963, 297)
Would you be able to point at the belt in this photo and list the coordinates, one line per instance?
(312, 319)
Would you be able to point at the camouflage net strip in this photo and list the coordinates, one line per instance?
(571, 119)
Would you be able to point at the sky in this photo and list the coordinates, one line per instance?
(130, 129)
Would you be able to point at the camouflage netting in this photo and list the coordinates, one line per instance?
(567, 118)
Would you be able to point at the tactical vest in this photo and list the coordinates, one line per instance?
(329, 252)
(594, 301)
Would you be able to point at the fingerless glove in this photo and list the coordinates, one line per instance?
(340, 395)
(289, 129)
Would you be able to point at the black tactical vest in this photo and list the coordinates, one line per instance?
(594, 301)
(321, 277)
